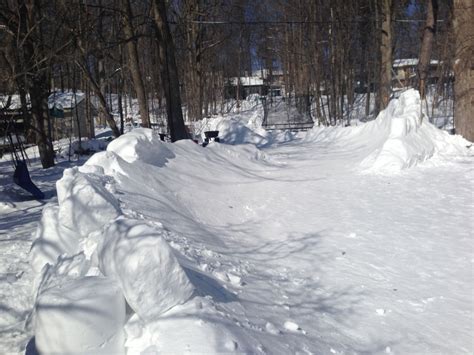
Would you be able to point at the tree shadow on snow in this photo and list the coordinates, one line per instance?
(208, 286)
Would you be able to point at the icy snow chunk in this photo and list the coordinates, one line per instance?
(85, 203)
(51, 240)
(84, 315)
(141, 260)
(141, 144)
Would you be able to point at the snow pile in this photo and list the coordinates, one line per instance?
(411, 139)
(137, 256)
(86, 249)
(401, 137)
(141, 144)
(64, 226)
(84, 315)
(242, 127)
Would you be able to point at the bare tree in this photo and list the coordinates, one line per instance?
(385, 54)
(464, 68)
(133, 61)
(426, 45)
(169, 72)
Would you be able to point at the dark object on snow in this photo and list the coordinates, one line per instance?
(211, 134)
(452, 131)
(162, 136)
(21, 176)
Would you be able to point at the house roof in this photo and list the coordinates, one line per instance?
(62, 100)
(247, 81)
(410, 62)
(15, 102)
(65, 100)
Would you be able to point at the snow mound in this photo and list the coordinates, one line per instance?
(78, 194)
(141, 144)
(151, 278)
(52, 239)
(236, 132)
(84, 315)
(64, 226)
(410, 138)
(196, 327)
(401, 137)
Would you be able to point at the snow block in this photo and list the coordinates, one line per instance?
(51, 240)
(85, 204)
(81, 316)
(141, 144)
(151, 278)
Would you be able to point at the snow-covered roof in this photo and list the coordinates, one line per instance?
(65, 100)
(410, 62)
(247, 81)
(15, 103)
(265, 73)
(62, 100)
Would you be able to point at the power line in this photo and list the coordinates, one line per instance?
(253, 23)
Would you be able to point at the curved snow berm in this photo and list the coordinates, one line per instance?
(88, 257)
(409, 138)
(88, 246)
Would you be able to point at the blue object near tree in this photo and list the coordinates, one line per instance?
(21, 177)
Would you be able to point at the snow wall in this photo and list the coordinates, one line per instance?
(114, 273)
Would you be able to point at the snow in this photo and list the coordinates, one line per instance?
(410, 62)
(65, 100)
(84, 315)
(322, 242)
(139, 258)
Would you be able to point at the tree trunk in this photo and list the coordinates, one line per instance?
(134, 62)
(426, 45)
(39, 110)
(386, 55)
(464, 68)
(104, 111)
(169, 73)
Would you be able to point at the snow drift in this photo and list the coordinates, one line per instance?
(401, 137)
(137, 256)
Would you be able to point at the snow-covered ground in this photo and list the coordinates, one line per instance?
(338, 240)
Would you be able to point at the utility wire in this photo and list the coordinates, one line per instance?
(252, 23)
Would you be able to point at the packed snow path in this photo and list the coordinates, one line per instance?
(293, 250)
(317, 258)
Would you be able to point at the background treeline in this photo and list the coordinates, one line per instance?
(177, 56)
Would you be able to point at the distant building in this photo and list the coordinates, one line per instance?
(262, 82)
(68, 113)
(405, 72)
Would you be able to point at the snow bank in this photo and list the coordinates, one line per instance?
(410, 138)
(194, 328)
(141, 144)
(151, 278)
(78, 195)
(84, 205)
(234, 131)
(51, 240)
(401, 137)
(84, 315)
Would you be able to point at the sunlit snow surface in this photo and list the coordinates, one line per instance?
(303, 246)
